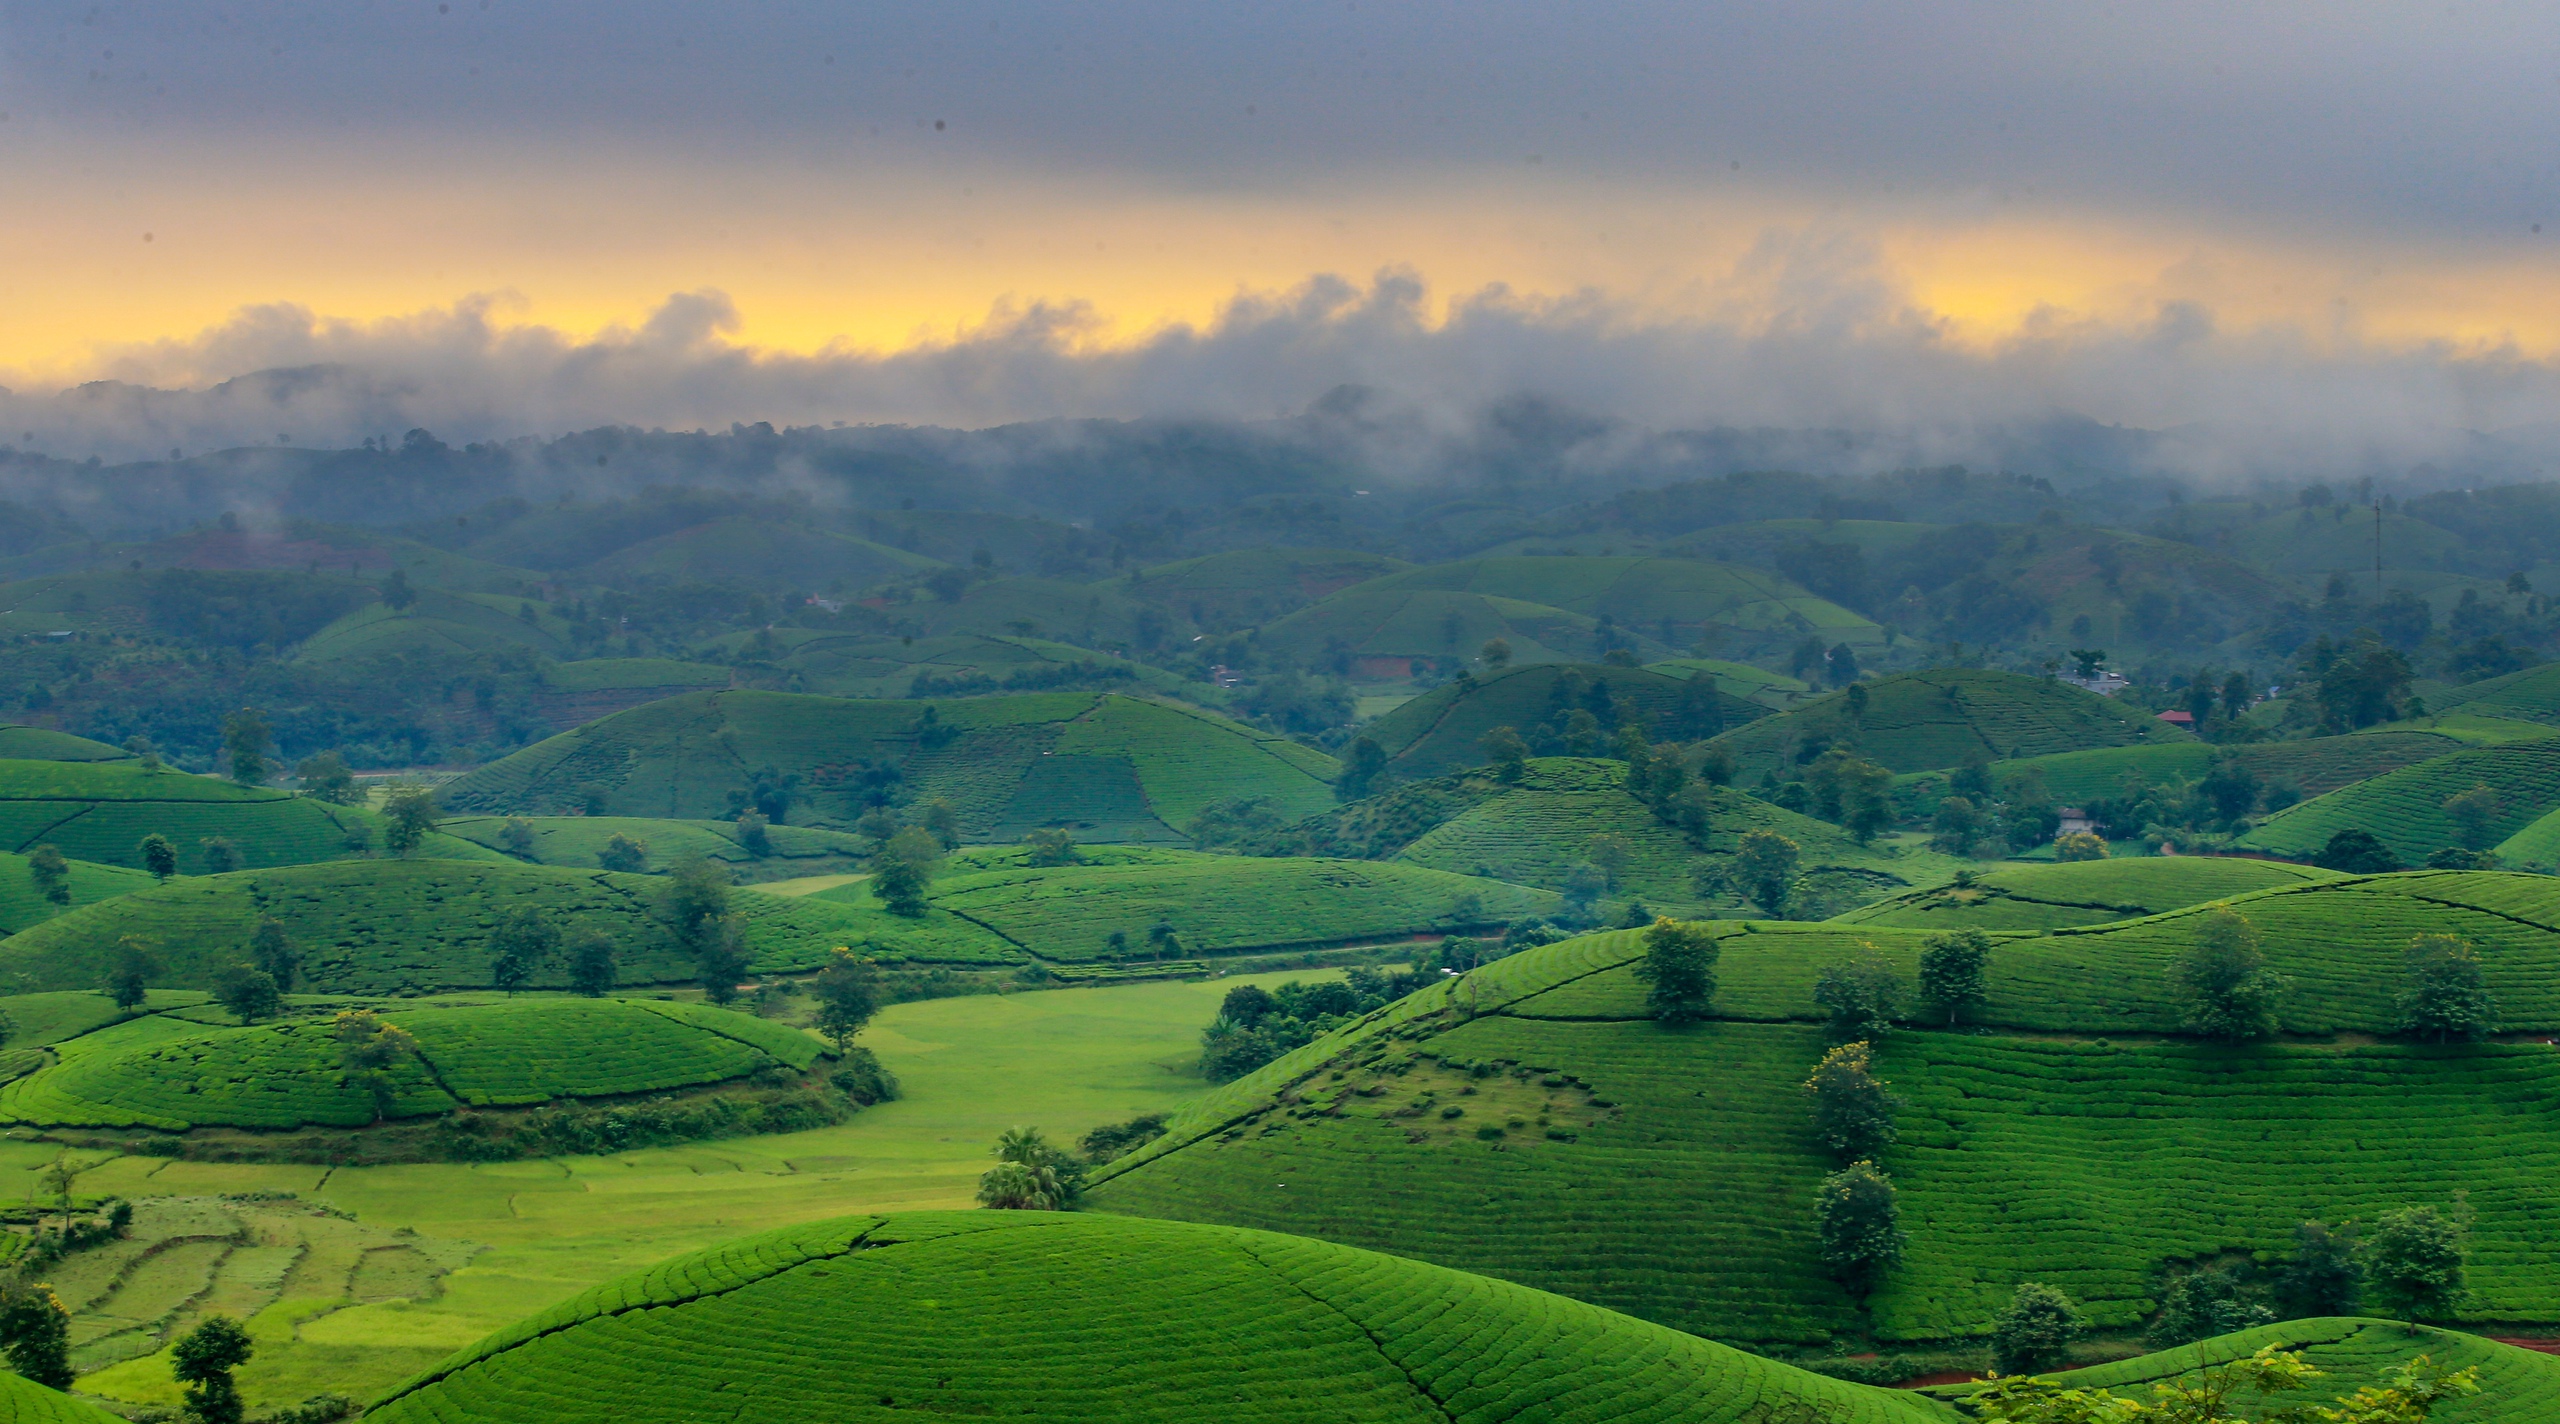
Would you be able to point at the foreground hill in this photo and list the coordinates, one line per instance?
(1068, 1316)
(182, 1070)
(1107, 766)
(1444, 729)
(400, 927)
(101, 811)
(1529, 1120)
(1920, 721)
(2405, 809)
(2088, 892)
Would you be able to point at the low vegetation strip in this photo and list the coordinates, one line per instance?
(2087, 892)
(999, 1313)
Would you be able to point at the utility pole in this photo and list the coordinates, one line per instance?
(2377, 550)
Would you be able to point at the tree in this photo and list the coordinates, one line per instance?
(1506, 754)
(250, 994)
(1859, 1222)
(2228, 992)
(1612, 853)
(903, 869)
(203, 1360)
(1764, 867)
(1361, 769)
(1030, 1175)
(35, 1332)
(51, 872)
(158, 856)
(721, 958)
(752, 836)
(848, 995)
(1584, 884)
(2356, 851)
(2035, 1332)
(396, 593)
(2474, 814)
(271, 951)
(2413, 1263)
(372, 1051)
(516, 837)
(1852, 1107)
(2086, 662)
(244, 742)
(2323, 1278)
(1680, 964)
(1863, 996)
(942, 822)
(2230, 787)
(2080, 845)
(523, 941)
(2446, 995)
(1840, 665)
(1956, 826)
(1954, 971)
(221, 855)
(624, 854)
(129, 976)
(2201, 1304)
(326, 778)
(407, 817)
(1045, 849)
(2362, 685)
(593, 964)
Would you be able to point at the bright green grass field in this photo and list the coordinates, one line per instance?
(101, 811)
(2087, 892)
(168, 1072)
(1671, 1173)
(408, 927)
(1069, 1060)
(1069, 1316)
(1109, 767)
(1920, 721)
(2405, 808)
(2515, 1384)
(580, 840)
(1444, 729)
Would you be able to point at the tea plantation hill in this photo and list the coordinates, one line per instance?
(2087, 892)
(1243, 587)
(191, 1068)
(22, 905)
(437, 622)
(1920, 721)
(1444, 729)
(100, 811)
(580, 842)
(1098, 615)
(1111, 768)
(1535, 831)
(2067, 1135)
(1773, 690)
(2516, 1384)
(24, 743)
(2310, 766)
(1078, 1317)
(867, 665)
(23, 1401)
(2405, 809)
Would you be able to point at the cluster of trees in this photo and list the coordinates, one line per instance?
(1256, 1025)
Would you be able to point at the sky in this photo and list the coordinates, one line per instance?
(527, 214)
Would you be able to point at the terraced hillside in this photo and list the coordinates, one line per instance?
(1773, 690)
(101, 811)
(1108, 767)
(2532, 695)
(2310, 766)
(1529, 1120)
(24, 743)
(22, 904)
(23, 1401)
(1078, 1317)
(2405, 809)
(1919, 721)
(2088, 892)
(2515, 1384)
(1444, 729)
(439, 622)
(173, 1071)
(580, 841)
(401, 927)
(961, 664)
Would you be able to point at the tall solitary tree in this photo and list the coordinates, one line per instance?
(51, 872)
(903, 869)
(1954, 971)
(1852, 1107)
(592, 963)
(244, 741)
(2036, 1330)
(130, 973)
(203, 1360)
(1506, 754)
(2474, 814)
(1361, 769)
(522, 943)
(326, 778)
(2446, 994)
(35, 1332)
(408, 816)
(1764, 867)
(1679, 965)
(1862, 995)
(158, 856)
(221, 855)
(272, 951)
(250, 994)
(1859, 1222)
(372, 1051)
(2228, 992)
(848, 995)
(2413, 1263)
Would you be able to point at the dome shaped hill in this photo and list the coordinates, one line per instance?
(2516, 1384)
(1108, 767)
(1070, 1316)
(2407, 809)
(2309, 767)
(23, 1401)
(1444, 729)
(100, 811)
(1531, 1120)
(418, 926)
(174, 1071)
(1922, 721)
(2086, 892)
(2532, 695)
(23, 743)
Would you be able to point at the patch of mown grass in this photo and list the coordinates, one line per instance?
(1074, 1316)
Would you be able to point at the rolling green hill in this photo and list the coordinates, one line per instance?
(2088, 892)
(1072, 1316)
(961, 664)
(1110, 767)
(21, 905)
(757, 553)
(23, 743)
(1920, 721)
(579, 841)
(1444, 729)
(401, 927)
(101, 811)
(1368, 629)
(2405, 808)
(2311, 766)
(625, 674)
(1670, 600)
(439, 622)
(171, 1072)
(1096, 615)
(1246, 586)
(2515, 1383)
(1773, 690)
(23, 1401)
(1529, 1120)
(2532, 695)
